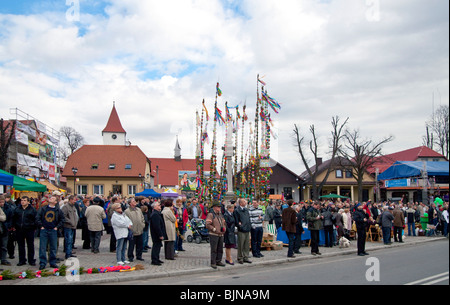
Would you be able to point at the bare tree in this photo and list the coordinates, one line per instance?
(71, 141)
(438, 131)
(440, 127)
(428, 139)
(360, 154)
(336, 137)
(7, 131)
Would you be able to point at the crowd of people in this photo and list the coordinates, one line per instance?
(132, 222)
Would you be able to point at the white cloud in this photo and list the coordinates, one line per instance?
(159, 59)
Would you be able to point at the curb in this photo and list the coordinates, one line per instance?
(164, 274)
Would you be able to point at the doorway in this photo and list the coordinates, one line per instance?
(117, 189)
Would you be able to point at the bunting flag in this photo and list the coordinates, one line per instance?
(262, 83)
(206, 110)
(272, 102)
(228, 114)
(219, 92)
(205, 137)
(219, 116)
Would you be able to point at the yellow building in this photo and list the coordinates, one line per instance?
(109, 169)
(340, 181)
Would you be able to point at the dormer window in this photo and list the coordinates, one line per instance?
(112, 166)
(127, 166)
(94, 166)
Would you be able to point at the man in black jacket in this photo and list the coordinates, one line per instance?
(24, 223)
(242, 220)
(299, 230)
(360, 217)
(158, 232)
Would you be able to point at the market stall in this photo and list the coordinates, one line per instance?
(149, 193)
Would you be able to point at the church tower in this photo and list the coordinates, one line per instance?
(114, 134)
(177, 151)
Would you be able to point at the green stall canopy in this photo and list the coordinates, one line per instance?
(21, 184)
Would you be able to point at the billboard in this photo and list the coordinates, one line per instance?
(187, 180)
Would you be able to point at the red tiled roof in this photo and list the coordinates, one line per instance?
(114, 124)
(104, 155)
(168, 169)
(412, 154)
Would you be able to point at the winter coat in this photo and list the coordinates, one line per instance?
(169, 223)
(289, 220)
(314, 223)
(157, 227)
(24, 219)
(230, 236)
(399, 218)
(242, 219)
(70, 216)
(299, 225)
(120, 224)
(339, 224)
(137, 218)
(358, 217)
(386, 219)
(215, 223)
(328, 218)
(411, 215)
(269, 214)
(276, 215)
(94, 216)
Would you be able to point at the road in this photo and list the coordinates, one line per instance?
(421, 264)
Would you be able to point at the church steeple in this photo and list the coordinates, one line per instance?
(177, 151)
(114, 134)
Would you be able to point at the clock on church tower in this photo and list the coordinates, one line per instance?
(114, 134)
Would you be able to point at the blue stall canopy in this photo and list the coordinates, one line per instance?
(6, 179)
(406, 169)
(149, 193)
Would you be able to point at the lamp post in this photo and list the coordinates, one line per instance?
(142, 184)
(74, 171)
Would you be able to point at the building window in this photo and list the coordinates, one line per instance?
(98, 189)
(127, 166)
(348, 174)
(132, 189)
(339, 173)
(112, 166)
(94, 166)
(82, 189)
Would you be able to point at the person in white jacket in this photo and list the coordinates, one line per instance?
(121, 224)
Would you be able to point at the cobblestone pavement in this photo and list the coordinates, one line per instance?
(194, 260)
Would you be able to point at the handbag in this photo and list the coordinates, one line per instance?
(130, 235)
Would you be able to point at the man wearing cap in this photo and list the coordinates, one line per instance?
(94, 216)
(361, 219)
(216, 225)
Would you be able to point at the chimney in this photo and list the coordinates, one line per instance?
(319, 162)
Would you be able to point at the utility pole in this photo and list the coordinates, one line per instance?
(424, 183)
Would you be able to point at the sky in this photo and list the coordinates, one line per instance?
(382, 64)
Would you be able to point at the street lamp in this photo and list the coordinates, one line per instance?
(74, 171)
